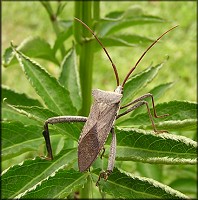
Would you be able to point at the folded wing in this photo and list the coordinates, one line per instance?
(88, 149)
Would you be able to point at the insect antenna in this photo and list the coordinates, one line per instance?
(113, 65)
(127, 76)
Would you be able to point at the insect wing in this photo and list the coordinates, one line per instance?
(88, 149)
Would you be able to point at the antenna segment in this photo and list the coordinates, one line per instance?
(113, 65)
(127, 76)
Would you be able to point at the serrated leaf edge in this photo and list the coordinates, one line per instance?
(155, 183)
(35, 63)
(75, 187)
(162, 135)
(39, 183)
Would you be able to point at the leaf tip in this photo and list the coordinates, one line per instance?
(11, 44)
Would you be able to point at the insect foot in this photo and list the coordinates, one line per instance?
(104, 175)
(160, 131)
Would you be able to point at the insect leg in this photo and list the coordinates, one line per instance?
(140, 99)
(102, 153)
(112, 153)
(111, 159)
(149, 113)
(56, 120)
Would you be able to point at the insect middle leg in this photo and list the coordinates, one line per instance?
(102, 154)
(137, 105)
(56, 120)
(153, 104)
(111, 160)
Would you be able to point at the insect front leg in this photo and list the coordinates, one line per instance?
(111, 160)
(56, 120)
(137, 105)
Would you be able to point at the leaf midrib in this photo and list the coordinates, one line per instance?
(62, 191)
(126, 147)
(49, 96)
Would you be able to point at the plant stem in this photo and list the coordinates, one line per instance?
(84, 11)
(53, 19)
(77, 26)
(86, 54)
(96, 11)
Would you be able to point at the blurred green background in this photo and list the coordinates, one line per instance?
(23, 19)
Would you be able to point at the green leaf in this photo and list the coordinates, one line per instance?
(161, 89)
(27, 176)
(61, 37)
(142, 146)
(7, 56)
(122, 40)
(72, 130)
(150, 171)
(60, 8)
(48, 7)
(55, 97)
(15, 98)
(109, 26)
(8, 114)
(138, 82)
(34, 47)
(134, 10)
(182, 116)
(187, 185)
(114, 15)
(176, 125)
(38, 48)
(33, 112)
(65, 23)
(123, 185)
(18, 138)
(157, 92)
(69, 78)
(59, 186)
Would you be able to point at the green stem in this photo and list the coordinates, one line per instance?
(77, 26)
(53, 19)
(86, 55)
(86, 70)
(96, 12)
(84, 11)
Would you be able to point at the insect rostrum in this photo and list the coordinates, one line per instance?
(101, 119)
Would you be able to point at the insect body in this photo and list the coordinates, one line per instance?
(100, 122)
(97, 127)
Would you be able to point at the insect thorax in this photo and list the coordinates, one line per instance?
(106, 97)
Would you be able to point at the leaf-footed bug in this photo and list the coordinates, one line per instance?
(100, 122)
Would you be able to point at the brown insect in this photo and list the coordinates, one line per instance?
(100, 122)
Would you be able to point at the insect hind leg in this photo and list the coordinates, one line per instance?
(56, 120)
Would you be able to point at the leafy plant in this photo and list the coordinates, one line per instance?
(27, 175)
